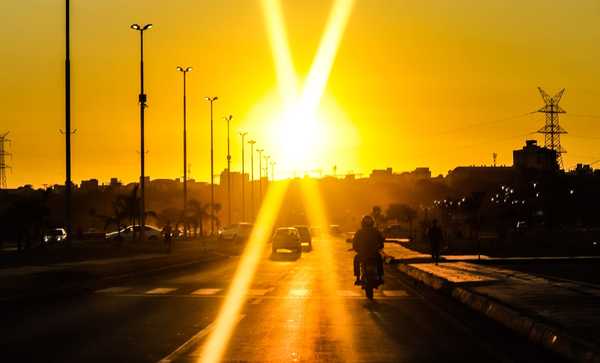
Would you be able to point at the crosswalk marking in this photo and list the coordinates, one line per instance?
(114, 290)
(160, 291)
(301, 292)
(206, 291)
(256, 295)
(258, 292)
(394, 293)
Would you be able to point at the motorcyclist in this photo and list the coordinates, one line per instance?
(367, 242)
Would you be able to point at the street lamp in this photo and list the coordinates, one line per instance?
(228, 119)
(243, 135)
(260, 193)
(273, 163)
(212, 167)
(142, 98)
(267, 158)
(252, 142)
(68, 183)
(184, 71)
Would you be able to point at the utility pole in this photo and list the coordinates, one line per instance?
(260, 192)
(212, 167)
(68, 182)
(267, 158)
(185, 167)
(273, 170)
(3, 154)
(142, 98)
(228, 119)
(552, 129)
(243, 135)
(252, 142)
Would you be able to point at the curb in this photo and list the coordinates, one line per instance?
(550, 337)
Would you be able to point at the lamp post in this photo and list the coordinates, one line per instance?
(243, 135)
(273, 163)
(142, 98)
(67, 132)
(260, 193)
(228, 119)
(212, 167)
(252, 142)
(267, 158)
(184, 71)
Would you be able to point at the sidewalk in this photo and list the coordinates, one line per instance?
(562, 315)
(40, 280)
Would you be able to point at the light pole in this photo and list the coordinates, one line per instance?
(243, 135)
(260, 151)
(142, 98)
(273, 163)
(267, 158)
(252, 142)
(228, 119)
(68, 182)
(212, 167)
(184, 71)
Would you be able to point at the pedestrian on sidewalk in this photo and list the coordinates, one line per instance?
(168, 235)
(436, 238)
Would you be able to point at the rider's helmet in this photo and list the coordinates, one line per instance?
(367, 222)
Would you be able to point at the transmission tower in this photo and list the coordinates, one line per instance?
(552, 129)
(3, 154)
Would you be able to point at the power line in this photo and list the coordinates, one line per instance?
(552, 129)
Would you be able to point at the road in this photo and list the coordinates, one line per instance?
(292, 314)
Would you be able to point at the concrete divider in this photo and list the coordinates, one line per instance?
(540, 332)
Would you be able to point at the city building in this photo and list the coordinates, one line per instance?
(534, 157)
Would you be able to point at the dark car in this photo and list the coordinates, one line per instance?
(305, 237)
(286, 238)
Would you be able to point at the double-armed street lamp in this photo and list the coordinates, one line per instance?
(273, 163)
(243, 135)
(184, 71)
(212, 167)
(260, 193)
(267, 158)
(228, 119)
(252, 142)
(142, 98)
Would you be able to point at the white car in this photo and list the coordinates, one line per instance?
(236, 232)
(151, 233)
(55, 235)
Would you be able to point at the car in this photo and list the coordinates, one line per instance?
(315, 231)
(55, 235)
(335, 230)
(287, 238)
(236, 232)
(128, 233)
(305, 237)
(396, 231)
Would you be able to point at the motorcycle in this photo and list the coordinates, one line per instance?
(369, 277)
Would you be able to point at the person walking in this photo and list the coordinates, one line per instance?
(436, 237)
(168, 235)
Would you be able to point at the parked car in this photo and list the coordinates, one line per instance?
(55, 235)
(335, 230)
(236, 232)
(286, 238)
(305, 237)
(151, 233)
(315, 231)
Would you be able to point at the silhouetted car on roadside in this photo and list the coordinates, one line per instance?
(286, 238)
(151, 233)
(55, 235)
(237, 232)
(396, 231)
(335, 230)
(305, 237)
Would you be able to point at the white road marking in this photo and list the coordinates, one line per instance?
(160, 291)
(394, 293)
(299, 292)
(113, 290)
(192, 341)
(258, 292)
(208, 291)
(349, 293)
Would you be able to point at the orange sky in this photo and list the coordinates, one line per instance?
(415, 83)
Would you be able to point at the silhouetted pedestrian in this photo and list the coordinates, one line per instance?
(436, 237)
(168, 235)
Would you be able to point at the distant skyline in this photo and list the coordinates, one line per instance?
(429, 83)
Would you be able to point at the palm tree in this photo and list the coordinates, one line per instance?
(196, 214)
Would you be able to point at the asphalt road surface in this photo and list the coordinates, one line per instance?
(291, 314)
